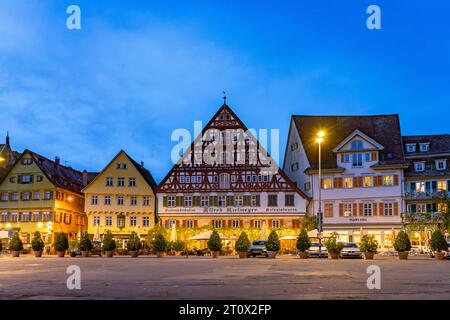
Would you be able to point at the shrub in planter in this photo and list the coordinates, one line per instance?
(242, 245)
(109, 245)
(438, 244)
(37, 244)
(402, 245)
(134, 245)
(303, 244)
(85, 244)
(61, 244)
(160, 244)
(15, 245)
(273, 244)
(215, 244)
(178, 246)
(369, 246)
(334, 247)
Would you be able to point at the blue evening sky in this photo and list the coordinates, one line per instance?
(138, 69)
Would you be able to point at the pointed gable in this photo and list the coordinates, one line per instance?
(226, 157)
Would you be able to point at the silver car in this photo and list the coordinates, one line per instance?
(351, 250)
(313, 251)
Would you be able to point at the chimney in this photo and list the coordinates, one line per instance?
(85, 178)
(142, 164)
(56, 162)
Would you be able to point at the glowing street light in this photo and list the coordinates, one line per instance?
(319, 140)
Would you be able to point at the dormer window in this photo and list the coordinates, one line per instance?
(411, 147)
(357, 145)
(419, 166)
(441, 164)
(424, 147)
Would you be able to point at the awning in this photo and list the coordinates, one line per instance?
(206, 235)
(325, 234)
(288, 238)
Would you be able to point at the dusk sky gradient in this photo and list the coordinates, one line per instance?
(137, 70)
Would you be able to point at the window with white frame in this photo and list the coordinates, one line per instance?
(424, 147)
(357, 159)
(109, 181)
(94, 200)
(133, 221)
(441, 164)
(132, 182)
(204, 201)
(46, 216)
(388, 209)
(238, 201)
(25, 216)
(442, 185)
(15, 196)
(419, 166)
(108, 221)
(121, 166)
(145, 221)
(356, 145)
(348, 209)
(411, 147)
(388, 180)
(120, 200)
(348, 182)
(275, 224)
(133, 201)
(36, 216)
(121, 182)
(36, 195)
(189, 223)
(107, 200)
(224, 179)
(367, 181)
(367, 209)
(222, 201)
(235, 223)
(4, 216)
(257, 224)
(146, 201)
(188, 201)
(327, 183)
(171, 201)
(5, 196)
(217, 224)
(254, 201)
(96, 221)
(26, 196)
(47, 195)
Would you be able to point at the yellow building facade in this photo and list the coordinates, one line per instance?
(121, 199)
(38, 194)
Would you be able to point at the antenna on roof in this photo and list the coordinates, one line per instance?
(224, 97)
(7, 138)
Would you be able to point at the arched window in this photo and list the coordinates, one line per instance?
(357, 145)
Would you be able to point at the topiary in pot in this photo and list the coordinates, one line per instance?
(303, 244)
(15, 245)
(369, 246)
(160, 244)
(61, 244)
(273, 245)
(109, 245)
(402, 245)
(334, 247)
(178, 246)
(438, 244)
(85, 244)
(134, 245)
(242, 245)
(215, 244)
(37, 244)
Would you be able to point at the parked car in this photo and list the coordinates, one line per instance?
(97, 250)
(313, 251)
(258, 248)
(351, 250)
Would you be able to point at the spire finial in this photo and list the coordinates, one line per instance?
(224, 97)
(7, 138)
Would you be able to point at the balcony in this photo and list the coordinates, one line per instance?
(417, 195)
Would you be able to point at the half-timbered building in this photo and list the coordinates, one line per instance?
(226, 179)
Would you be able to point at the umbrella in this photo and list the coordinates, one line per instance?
(97, 233)
(314, 234)
(173, 233)
(206, 235)
(263, 231)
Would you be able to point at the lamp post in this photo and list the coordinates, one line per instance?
(319, 140)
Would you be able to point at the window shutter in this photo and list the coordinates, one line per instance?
(381, 208)
(341, 210)
(269, 224)
(448, 185)
(337, 182)
(375, 210)
(395, 208)
(241, 223)
(184, 223)
(427, 186)
(195, 223)
(355, 209)
(342, 157)
(247, 201)
(321, 183)
(196, 201)
(230, 201)
(361, 210)
(374, 156)
(433, 186)
(281, 223)
(258, 199)
(213, 201)
(165, 201)
(166, 223)
(212, 223)
(396, 180)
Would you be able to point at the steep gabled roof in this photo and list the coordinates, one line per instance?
(385, 129)
(439, 143)
(140, 168)
(234, 122)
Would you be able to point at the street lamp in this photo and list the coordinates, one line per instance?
(319, 140)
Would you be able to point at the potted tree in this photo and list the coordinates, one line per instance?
(369, 246)
(61, 244)
(15, 245)
(109, 245)
(242, 245)
(273, 245)
(334, 247)
(134, 245)
(438, 244)
(178, 246)
(85, 244)
(402, 245)
(160, 244)
(303, 244)
(215, 244)
(37, 244)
